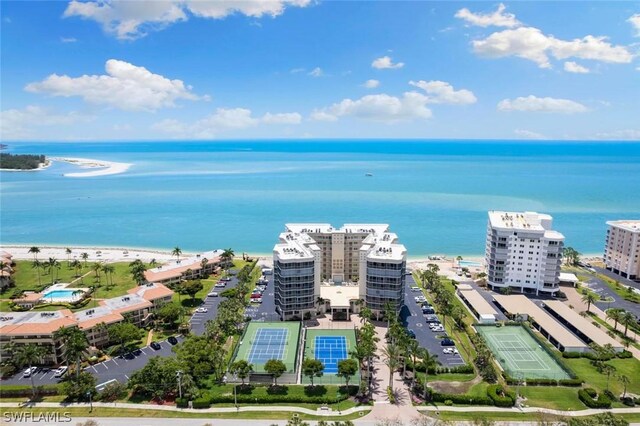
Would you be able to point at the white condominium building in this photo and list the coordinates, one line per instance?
(338, 266)
(523, 252)
(622, 248)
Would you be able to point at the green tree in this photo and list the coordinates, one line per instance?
(627, 319)
(35, 250)
(391, 354)
(198, 355)
(275, 368)
(113, 391)
(624, 381)
(192, 287)
(76, 388)
(347, 368)
(203, 267)
(177, 251)
(77, 266)
(97, 268)
(26, 356)
(429, 363)
(241, 369)
(108, 273)
(615, 314)
(227, 257)
(74, 345)
(137, 270)
(169, 313)
(571, 256)
(312, 368)
(84, 256)
(68, 251)
(158, 378)
(37, 265)
(589, 298)
(123, 333)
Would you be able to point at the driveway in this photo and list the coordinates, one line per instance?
(265, 311)
(413, 319)
(198, 320)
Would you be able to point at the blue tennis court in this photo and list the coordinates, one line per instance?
(330, 350)
(268, 343)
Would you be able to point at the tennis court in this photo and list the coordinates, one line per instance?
(330, 347)
(519, 354)
(263, 341)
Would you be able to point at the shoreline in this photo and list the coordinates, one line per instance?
(105, 167)
(117, 254)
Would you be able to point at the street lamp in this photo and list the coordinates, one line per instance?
(90, 401)
(179, 376)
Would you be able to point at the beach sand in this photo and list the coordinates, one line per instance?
(104, 167)
(42, 166)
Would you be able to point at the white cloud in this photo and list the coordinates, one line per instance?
(296, 70)
(282, 118)
(620, 135)
(386, 62)
(316, 72)
(532, 44)
(634, 20)
(575, 68)
(441, 92)
(128, 20)
(382, 107)
(68, 39)
(497, 18)
(21, 123)
(125, 86)
(222, 120)
(535, 104)
(371, 84)
(528, 134)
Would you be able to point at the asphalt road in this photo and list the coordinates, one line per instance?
(199, 320)
(412, 317)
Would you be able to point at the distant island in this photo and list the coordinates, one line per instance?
(22, 161)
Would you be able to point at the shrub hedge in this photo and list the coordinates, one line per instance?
(500, 396)
(182, 402)
(587, 396)
(12, 391)
(201, 403)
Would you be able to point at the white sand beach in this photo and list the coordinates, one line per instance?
(42, 166)
(102, 254)
(104, 167)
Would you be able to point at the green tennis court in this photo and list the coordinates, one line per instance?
(263, 341)
(519, 354)
(330, 347)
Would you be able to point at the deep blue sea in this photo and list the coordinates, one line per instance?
(239, 194)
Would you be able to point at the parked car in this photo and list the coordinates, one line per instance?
(411, 333)
(225, 279)
(420, 299)
(220, 285)
(60, 371)
(212, 294)
(437, 329)
(258, 300)
(202, 310)
(450, 351)
(431, 318)
(416, 289)
(447, 342)
(137, 352)
(155, 346)
(425, 304)
(173, 340)
(29, 371)
(428, 311)
(256, 296)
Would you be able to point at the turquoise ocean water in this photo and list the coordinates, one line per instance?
(203, 195)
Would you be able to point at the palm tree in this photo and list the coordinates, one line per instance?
(627, 319)
(84, 257)
(77, 266)
(227, 257)
(35, 250)
(153, 262)
(589, 298)
(36, 265)
(27, 355)
(359, 354)
(203, 265)
(429, 361)
(177, 251)
(615, 314)
(413, 349)
(108, 272)
(53, 266)
(391, 354)
(624, 381)
(608, 370)
(97, 267)
(67, 250)
(74, 344)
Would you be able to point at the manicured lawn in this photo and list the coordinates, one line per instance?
(129, 412)
(559, 398)
(26, 277)
(629, 367)
(479, 390)
(119, 282)
(4, 306)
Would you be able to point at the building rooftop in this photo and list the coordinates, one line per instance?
(627, 225)
(34, 322)
(88, 318)
(152, 291)
(520, 304)
(131, 302)
(340, 295)
(476, 300)
(175, 269)
(514, 220)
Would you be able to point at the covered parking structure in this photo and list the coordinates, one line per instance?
(515, 306)
(580, 326)
(479, 307)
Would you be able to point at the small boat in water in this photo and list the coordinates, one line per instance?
(368, 174)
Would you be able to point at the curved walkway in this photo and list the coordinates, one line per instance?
(293, 409)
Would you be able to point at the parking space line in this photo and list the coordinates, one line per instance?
(105, 365)
(114, 361)
(94, 368)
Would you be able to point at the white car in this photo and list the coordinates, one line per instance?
(420, 299)
(450, 351)
(212, 294)
(202, 310)
(60, 372)
(416, 289)
(29, 371)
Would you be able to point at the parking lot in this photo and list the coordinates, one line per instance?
(118, 368)
(412, 316)
(199, 320)
(265, 311)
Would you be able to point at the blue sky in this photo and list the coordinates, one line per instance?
(195, 69)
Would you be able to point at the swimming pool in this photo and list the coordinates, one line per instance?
(468, 263)
(63, 295)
